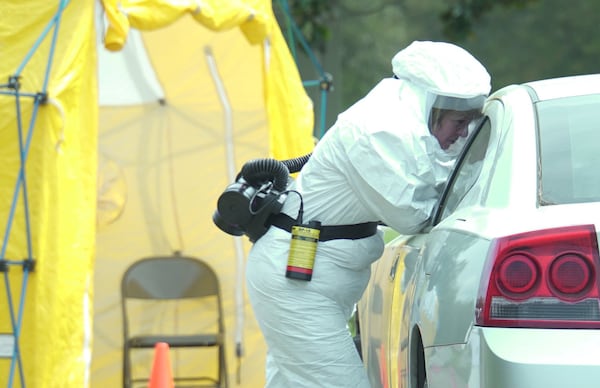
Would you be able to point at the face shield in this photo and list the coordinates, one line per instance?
(459, 103)
(451, 120)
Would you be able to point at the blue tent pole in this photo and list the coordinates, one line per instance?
(24, 145)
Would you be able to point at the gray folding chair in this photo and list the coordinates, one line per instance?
(159, 290)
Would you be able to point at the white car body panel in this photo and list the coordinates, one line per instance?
(535, 357)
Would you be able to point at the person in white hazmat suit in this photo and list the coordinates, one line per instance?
(384, 160)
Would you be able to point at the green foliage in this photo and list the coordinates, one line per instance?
(313, 17)
(459, 19)
(548, 38)
(517, 40)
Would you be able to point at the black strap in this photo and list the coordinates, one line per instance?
(329, 232)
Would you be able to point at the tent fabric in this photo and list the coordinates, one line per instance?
(290, 111)
(60, 189)
(139, 136)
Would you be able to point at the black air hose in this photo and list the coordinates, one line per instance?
(258, 171)
(295, 165)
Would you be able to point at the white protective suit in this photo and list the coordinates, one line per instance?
(379, 162)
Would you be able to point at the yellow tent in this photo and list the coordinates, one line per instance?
(127, 138)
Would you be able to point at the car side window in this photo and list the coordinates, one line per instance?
(466, 172)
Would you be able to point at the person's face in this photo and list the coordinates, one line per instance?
(451, 126)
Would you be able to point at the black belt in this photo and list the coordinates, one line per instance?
(329, 232)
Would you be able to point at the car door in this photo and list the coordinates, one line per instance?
(389, 310)
(449, 275)
(423, 300)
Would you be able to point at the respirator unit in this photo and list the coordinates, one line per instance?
(259, 191)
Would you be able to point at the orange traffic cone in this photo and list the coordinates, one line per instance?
(161, 377)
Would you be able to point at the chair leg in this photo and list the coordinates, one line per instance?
(223, 378)
(126, 371)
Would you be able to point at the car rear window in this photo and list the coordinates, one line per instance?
(569, 133)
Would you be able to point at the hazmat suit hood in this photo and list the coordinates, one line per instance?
(447, 77)
(450, 77)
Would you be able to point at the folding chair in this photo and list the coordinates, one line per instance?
(155, 293)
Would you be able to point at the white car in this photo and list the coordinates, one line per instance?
(502, 289)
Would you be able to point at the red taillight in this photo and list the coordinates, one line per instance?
(517, 275)
(546, 278)
(571, 275)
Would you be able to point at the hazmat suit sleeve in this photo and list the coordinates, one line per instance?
(393, 176)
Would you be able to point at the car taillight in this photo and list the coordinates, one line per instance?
(545, 278)
(517, 275)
